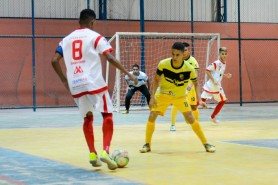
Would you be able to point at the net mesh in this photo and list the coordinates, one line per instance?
(148, 49)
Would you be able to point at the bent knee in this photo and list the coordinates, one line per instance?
(189, 118)
(153, 115)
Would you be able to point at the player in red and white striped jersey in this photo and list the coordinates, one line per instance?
(80, 50)
(213, 88)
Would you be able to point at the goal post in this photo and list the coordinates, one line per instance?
(147, 49)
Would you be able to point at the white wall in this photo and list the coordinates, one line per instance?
(171, 10)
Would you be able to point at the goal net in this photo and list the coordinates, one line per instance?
(147, 49)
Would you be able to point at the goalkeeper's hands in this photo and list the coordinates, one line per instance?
(135, 80)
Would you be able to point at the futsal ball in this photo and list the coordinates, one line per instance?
(120, 156)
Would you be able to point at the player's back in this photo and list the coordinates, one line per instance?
(81, 50)
(80, 45)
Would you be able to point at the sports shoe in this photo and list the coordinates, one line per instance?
(125, 112)
(173, 128)
(146, 148)
(214, 120)
(104, 157)
(210, 148)
(94, 160)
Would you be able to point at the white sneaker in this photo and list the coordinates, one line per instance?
(210, 148)
(173, 128)
(214, 120)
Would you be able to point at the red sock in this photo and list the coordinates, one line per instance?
(89, 132)
(107, 130)
(217, 109)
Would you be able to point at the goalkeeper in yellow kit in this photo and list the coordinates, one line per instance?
(169, 87)
(191, 93)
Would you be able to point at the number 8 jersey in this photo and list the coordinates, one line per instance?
(80, 51)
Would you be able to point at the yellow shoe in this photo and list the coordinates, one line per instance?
(94, 160)
(104, 157)
(146, 148)
(125, 112)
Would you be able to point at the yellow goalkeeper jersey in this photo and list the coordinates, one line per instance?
(174, 81)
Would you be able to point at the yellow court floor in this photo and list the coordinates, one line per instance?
(247, 152)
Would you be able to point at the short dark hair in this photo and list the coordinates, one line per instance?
(178, 46)
(135, 65)
(223, 49)
(186, 44)
(86, 16)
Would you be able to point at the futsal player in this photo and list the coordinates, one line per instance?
(80, 51)
(169, 86)
(191, 93)
(142, 86)
(213, 88)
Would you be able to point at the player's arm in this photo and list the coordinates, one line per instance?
(127, 83)
(210, 68)
(195, 64)
(149, 85)
(190, 85)
(210, 77)
(194, 79)
(127, 80)
(154, 87)
(198, 94)
(119, 66)
(57, 67)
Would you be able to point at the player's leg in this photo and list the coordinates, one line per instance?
(150, 127)
(129, 94)
(107, 130)
(174, 113)
(105, 106)
(205, 96)
(85, 109)
(144, 90)
(196, 127)
(162, 103)
(192, 100)
(185, 108)
(221, 99)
